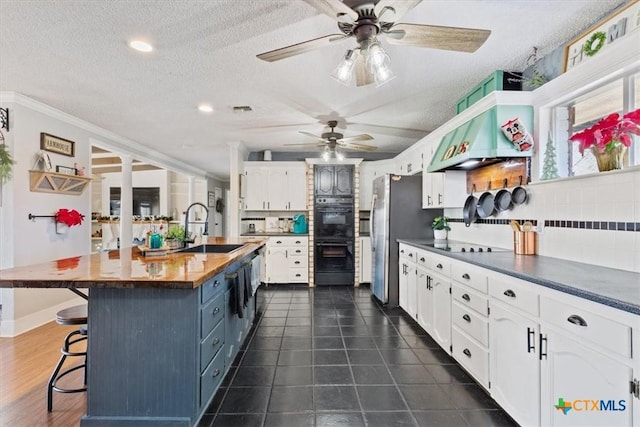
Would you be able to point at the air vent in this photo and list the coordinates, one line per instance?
(242, 109)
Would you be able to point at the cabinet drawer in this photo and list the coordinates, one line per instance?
(514, 292)
(423, 258)
(609, 335)
(297, 251)
(211, 314)
(407, 252)
(476, 326)
(211, 287)
(210, 378)
(439, 264)
(210, 346)
(278, 242)
(298, 275)
(298, 241)
(470, 276)
(473, 357)
(298, 261)
(469, 298)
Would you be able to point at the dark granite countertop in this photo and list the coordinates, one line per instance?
(616, 288)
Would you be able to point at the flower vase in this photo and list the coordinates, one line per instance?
(440, 234)
(609, 159)
(61, 228)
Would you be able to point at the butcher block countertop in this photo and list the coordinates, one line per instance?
(129, 268)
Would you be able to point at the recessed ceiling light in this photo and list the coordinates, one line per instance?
(140, 46)
(205, 108)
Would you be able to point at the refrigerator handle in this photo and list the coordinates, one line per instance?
(371, 221)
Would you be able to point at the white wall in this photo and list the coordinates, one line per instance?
(609, 196)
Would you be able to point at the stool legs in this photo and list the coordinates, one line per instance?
(71, 339)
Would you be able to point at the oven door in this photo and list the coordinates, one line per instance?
(334, 262)
(332, 222)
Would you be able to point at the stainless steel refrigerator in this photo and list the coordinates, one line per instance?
(397, 213)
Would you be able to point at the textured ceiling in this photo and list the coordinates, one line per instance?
(73, 55)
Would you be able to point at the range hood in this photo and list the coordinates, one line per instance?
(481, 141)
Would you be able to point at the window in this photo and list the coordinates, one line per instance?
(616, 96)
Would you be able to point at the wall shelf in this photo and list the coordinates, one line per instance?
(51, 182)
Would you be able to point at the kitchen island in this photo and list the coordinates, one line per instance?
(162, 330)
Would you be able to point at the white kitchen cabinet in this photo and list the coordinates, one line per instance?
(514, 364)
(367, 174)
(407, 279)
(444, 189)
(365, 259)
(434, 306)
(277, 186)
(287, 259)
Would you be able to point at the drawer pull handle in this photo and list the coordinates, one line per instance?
(531, 339)
(402, 251)
(298, 242)
(297, 262)
(466, 297)
(422, 259)
(467, 318)
(216, 310)
(577, 320)
(278, 241)
(466, 276)
(298, 251)
(410, 255)
(467, 352)
(216, 283)
(509, 293)
(216, 340)
(216, 372)
(439, 266)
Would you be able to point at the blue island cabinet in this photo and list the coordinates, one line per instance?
(158, 355)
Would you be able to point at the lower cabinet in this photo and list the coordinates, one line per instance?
(547, 358)
(365, 259)
(287, 259)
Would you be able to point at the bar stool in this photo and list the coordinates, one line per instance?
(76, 315)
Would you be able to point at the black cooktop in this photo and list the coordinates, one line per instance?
(449, 246)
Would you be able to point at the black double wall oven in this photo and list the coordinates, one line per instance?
(334, 240)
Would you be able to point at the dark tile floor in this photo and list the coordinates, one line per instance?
(331, 356)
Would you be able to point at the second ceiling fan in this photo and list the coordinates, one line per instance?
(366, 20)
(332, 140)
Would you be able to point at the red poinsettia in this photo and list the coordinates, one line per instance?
(70, 217)
(609, 132)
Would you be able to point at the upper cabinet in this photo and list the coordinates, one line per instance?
(368, 172)
(277, 186)
(334, 180)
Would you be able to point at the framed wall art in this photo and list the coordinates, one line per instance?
(57, 145)
(212, 199)
(65, 170)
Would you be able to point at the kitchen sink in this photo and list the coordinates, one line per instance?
(211, 249)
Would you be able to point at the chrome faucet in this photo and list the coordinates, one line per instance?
(186, 222)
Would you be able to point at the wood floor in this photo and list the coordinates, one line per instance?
(26, 362)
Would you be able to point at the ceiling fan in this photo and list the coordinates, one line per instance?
(333, 140)
(365, 21)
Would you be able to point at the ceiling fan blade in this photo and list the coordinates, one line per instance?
(308, 144)
(363, 75)
(360, 147)
(335, 9)
(436, 37)
(357, 138)
(393, 10)
(312, 136)
(298, 48)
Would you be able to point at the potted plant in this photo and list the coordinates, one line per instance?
(440, 226)
(6, 163)
(609, 138)
(175, 236)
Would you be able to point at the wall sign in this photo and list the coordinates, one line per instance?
(57, 145)
(619, 24)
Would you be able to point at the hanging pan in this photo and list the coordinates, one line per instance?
(470, 206)
(519, 194)
(503, 198)
(486, 203)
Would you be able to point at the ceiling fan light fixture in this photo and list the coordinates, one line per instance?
(326, 154)
(339, 155)
(383, 75)
(344, 71)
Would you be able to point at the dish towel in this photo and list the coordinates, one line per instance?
(239, 293)
(247, 283)
(255, 274)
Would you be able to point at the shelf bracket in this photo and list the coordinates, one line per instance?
(4, 118)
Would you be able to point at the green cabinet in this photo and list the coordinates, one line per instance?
(498, 80)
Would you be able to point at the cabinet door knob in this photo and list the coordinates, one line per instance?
(216, 283)
(439, 266)
(467, 352)
(216, 372)
(466, 297)
(216, 340)
(577, 320)
(467, 318)
(216, 310)
(509, 293)
(422, 259)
